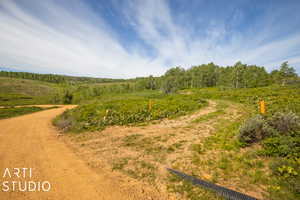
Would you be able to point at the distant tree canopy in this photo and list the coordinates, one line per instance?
(210, 75)
(206, 75)
(54, 78)
(284, 75)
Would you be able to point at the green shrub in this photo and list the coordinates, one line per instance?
(64, 121)
(258, 128)
(285, 146)
(285, 122)
(288, 174)
(255, 129)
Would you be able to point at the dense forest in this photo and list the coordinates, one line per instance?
(211, 75)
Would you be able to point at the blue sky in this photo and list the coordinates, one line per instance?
(121, 38)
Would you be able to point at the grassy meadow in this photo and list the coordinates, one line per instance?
(261, 169)
(26, 92)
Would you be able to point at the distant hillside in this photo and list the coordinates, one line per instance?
(19, 91)
(54, 78)
(25, 87)
(15, 91)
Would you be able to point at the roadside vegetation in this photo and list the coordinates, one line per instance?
(127, 110)
(8, 112)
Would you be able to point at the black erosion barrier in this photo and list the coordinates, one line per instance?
(225, 192)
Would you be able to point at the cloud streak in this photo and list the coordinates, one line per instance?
(73, 38)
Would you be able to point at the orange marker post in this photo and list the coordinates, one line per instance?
(262, 107)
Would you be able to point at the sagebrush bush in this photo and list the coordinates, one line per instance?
(64, 121)
(285, 123)
(255, 129)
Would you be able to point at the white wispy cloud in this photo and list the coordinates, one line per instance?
(153, 21)
(69, 45)
(77, 41)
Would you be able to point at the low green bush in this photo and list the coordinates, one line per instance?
(288, 174)
(284, 146)
(255, 129)
(64, 121)
(258, 127)
(285, 123)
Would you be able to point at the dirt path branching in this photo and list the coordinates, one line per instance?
(130, 162)
(194, 144)
(30, 141)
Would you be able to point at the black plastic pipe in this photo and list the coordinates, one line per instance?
(225, 192)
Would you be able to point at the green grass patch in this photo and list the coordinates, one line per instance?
(277, 98)
(209, 116)
(137, 169)
(220, 110)
(26, 92)
(9, 112)
(119, 164)
(187, 190)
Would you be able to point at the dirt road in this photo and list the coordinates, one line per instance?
(30, 141)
